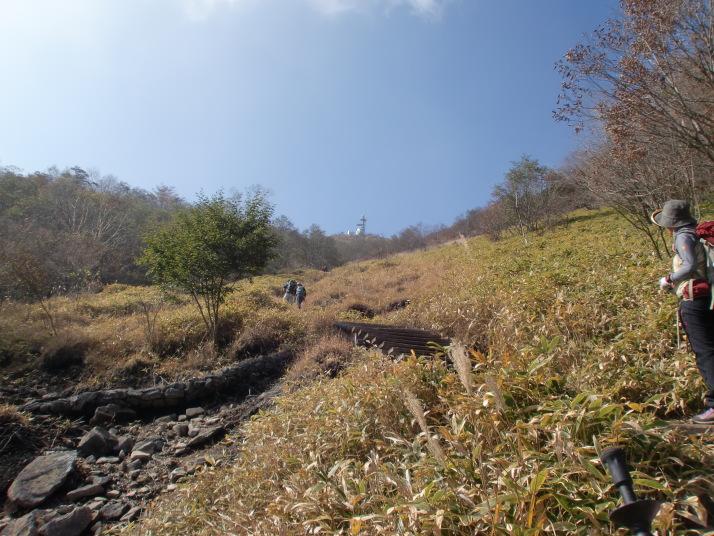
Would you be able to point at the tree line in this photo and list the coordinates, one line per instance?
(75, 230)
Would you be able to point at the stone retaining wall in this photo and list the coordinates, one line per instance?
(251, 375)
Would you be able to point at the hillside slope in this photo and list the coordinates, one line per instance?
(564, 347)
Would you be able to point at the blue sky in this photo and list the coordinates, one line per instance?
(405, 111)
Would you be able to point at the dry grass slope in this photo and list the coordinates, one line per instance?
(563, 347)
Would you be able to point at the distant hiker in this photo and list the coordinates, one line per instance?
(290, 288)
(300, 294)
(688, 282)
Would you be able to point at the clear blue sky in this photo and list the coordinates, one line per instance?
(406, 111)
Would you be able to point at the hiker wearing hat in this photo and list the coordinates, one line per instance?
(688, 281)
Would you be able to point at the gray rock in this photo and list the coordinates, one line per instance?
(101, 480)
(205, 436)
(108, 460)
(181, 429)
(71, 524)
(139, 455)
(41, 478)
(133, 465)
(148, 446)
(33, 406)
(24, 526)
(125, 443)
(134, 393)
(111, 412)
(177, 474)
(113, 510)
(97, 442)
(132, 514)
(149, 395)
(92, 490)
(96, 505)
(174, 394)
(84, 401)
(194, 412)
(113, 396)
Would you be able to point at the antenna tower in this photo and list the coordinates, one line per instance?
(360, 225)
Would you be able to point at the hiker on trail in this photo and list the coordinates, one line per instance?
(290, 288)
(688, 282)
(300, 294)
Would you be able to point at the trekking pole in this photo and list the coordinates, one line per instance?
(636, 515)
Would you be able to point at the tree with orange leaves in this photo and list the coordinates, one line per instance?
(646, 75)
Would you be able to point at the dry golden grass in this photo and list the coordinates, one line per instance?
(566, 347)
(10, 416)
(327, 357)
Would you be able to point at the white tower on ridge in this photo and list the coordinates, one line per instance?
(360, 225)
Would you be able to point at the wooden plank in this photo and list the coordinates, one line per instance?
(396, 350)
(354, 326)
(424, 336)
(403, 341)
(393, 340)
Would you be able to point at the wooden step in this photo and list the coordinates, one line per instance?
(393, 340)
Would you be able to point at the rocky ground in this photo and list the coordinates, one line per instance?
(72, 475)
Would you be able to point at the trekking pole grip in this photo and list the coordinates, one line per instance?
(637, 515)
(614, 460)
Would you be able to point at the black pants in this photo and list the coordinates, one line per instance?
(698, 322)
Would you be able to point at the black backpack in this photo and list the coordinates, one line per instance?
(291, 286)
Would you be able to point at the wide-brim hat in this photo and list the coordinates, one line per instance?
(674, 213)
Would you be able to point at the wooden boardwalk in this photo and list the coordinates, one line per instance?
(393, 340)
